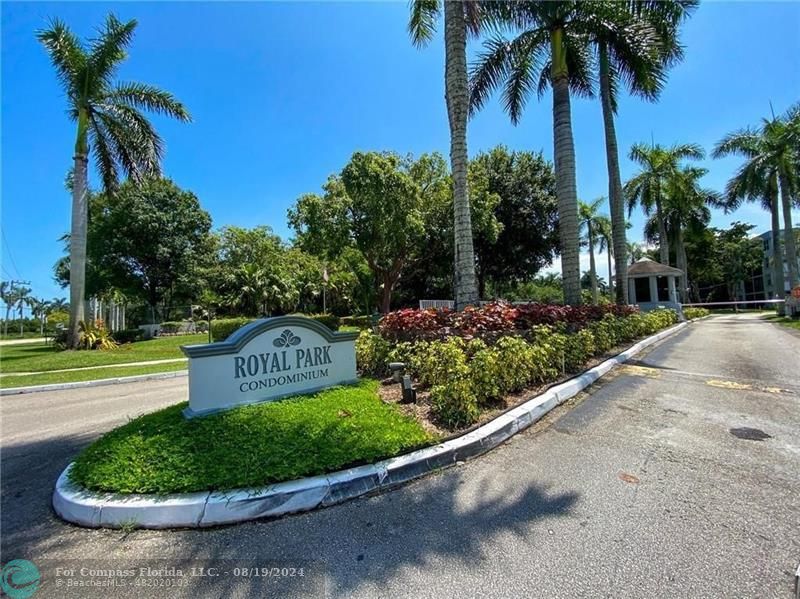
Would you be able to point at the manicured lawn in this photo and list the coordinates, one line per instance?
(249, 446)
(793, 323)
(38, 357)
(8, 382)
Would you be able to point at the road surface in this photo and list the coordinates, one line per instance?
(677, 475)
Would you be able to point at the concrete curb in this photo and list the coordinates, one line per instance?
(96, 383)
(192, 510)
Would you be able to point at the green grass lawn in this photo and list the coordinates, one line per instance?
(38, 357)
(48, 378)
(793, 323)
(249, 446)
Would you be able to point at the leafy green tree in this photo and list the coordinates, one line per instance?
(110, 124)
(460, 17)
(771, 169)
(659, 165)
(738, 255)
(526, 212)
(153, 240)
(590, 227)
(375, 206)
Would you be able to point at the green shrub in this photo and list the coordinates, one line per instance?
(371, 353)
(329, 320)
(454, 404)
(485, 370)
(224, 327)
(170, 328)
(439, 362)
(128, 335)
(692, 313)
(361, 322)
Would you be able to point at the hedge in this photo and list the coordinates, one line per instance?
(222, 329)
(465, 375)
(692, 313)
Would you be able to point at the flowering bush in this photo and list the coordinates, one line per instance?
(493, 317)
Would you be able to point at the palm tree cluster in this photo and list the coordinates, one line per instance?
(18, 297)
(566, 46)
(770, 175)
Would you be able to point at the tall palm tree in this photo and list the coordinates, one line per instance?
(587, 214)
(685, 206)
(555, 49)
(7, 297)
(110, 124)
(460, 17)
(770, 174)
(649, 48)
(551, 50)
(658, 166)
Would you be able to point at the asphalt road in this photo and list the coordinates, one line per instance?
(638, 488)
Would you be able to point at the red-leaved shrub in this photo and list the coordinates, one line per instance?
(410, 324)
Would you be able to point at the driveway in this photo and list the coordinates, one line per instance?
(676, 475)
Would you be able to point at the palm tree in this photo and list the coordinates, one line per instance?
(587, 213)
(551, 50)
(771, 171)
(685, 206)
(110, 124)
(7, 296)
(555, 49)
(22, 297)
(459, 17)
(646, 188)
(40, 308)
(639, 59)
(605, 236)
(635, 251)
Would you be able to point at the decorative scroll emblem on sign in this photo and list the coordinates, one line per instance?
(286, 339)
(266, 360)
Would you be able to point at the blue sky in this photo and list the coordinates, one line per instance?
(283, 93)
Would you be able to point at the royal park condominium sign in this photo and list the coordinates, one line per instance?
(265, 360)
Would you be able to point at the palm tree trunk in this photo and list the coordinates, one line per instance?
(566, 188)
(788, 231)
(680, 258)
(777, 255)
(592, 268)
(77, 249)
(612, 279)
(663, 240)
(457, 97)
(615, 200)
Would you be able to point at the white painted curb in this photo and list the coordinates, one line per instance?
(96, 383)
(191, 510)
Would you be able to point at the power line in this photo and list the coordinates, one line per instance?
(10, 255)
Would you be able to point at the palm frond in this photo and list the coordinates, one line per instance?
(744, 142)
(108, 49)
(66, 53)
(422, 23)
(148, 97)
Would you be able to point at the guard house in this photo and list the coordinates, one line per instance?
(652, 285)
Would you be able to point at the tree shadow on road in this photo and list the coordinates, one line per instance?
(362, 544)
